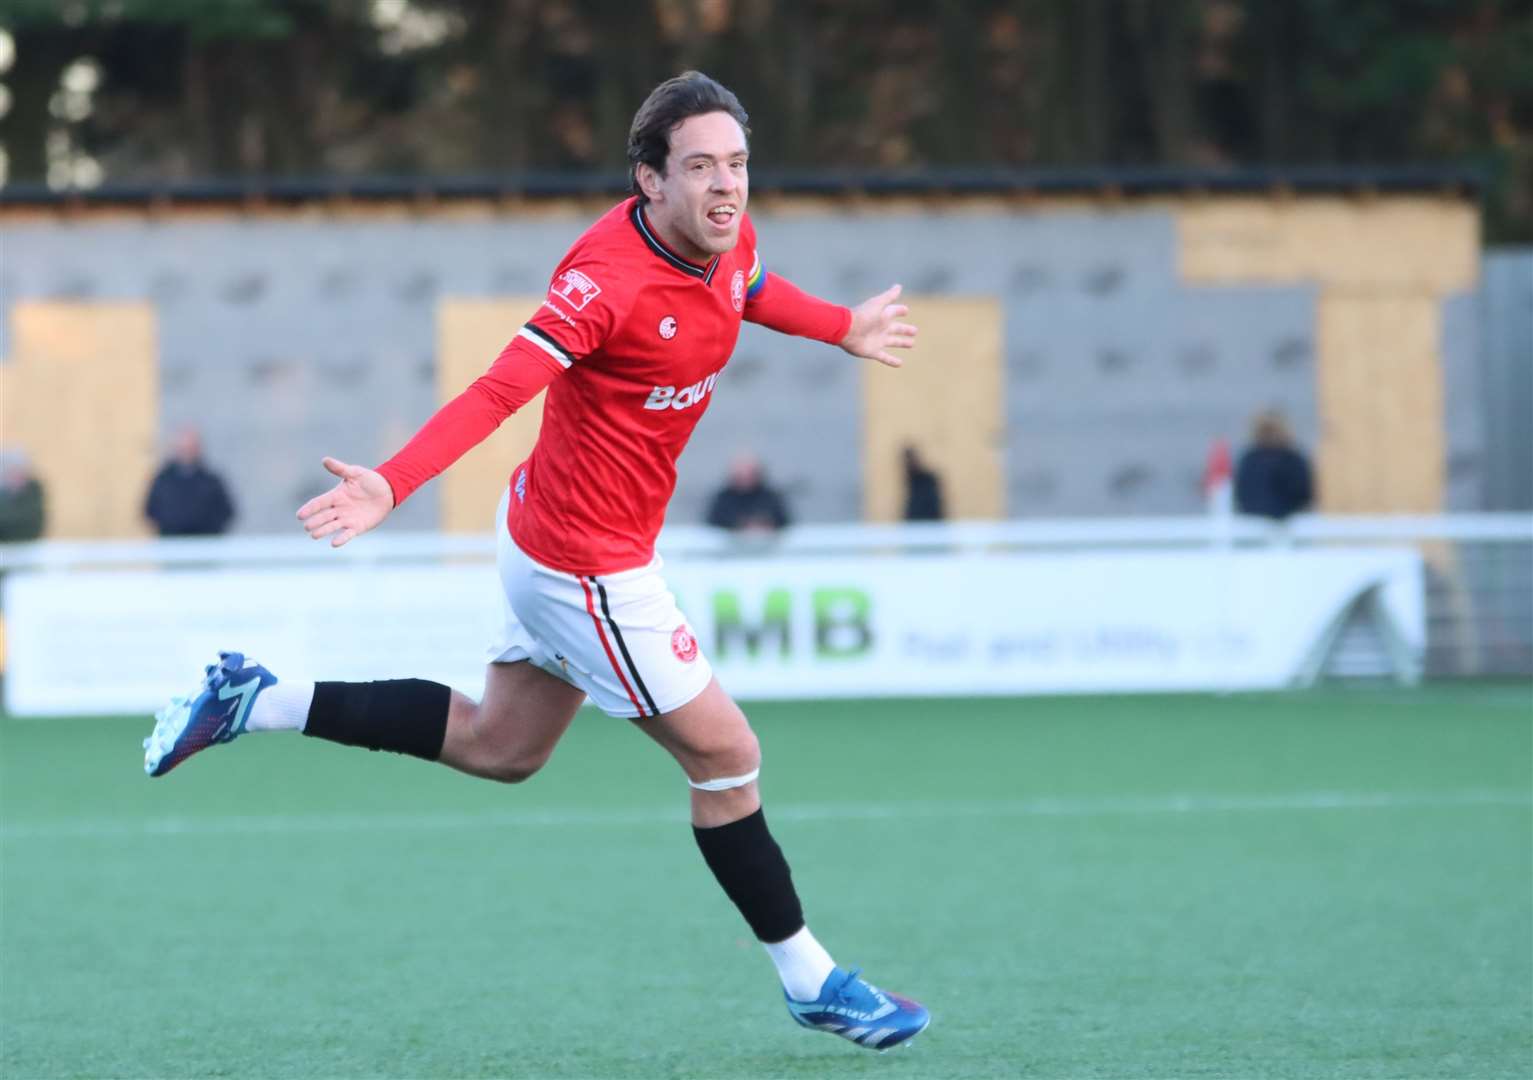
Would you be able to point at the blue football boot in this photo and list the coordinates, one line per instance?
(217, 714)
(853, 1008)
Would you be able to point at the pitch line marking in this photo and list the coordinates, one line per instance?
(1045, 807)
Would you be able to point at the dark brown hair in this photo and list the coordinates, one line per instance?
(1269, 428)
(687, 95)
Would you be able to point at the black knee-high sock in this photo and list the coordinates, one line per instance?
(405, 716)
(753, 873)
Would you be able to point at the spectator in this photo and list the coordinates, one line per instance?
(187, 498)
(22, 513)
(747, 503)
(1272, 478)
(923, 491)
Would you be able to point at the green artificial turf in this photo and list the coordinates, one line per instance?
(1334, 884)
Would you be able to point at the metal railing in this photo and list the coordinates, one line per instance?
(695, 540)
(1479, 566)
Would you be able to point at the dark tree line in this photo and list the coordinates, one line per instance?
(199, 88)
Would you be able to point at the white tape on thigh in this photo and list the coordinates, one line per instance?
(726, 783)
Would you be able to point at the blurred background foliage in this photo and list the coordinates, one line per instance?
(99, 91)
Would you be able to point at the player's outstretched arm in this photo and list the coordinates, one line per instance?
(868, 330)
(876, 328)
(364, 497)
(359, 502)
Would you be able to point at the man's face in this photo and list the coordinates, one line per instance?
(744, 473)
(698, 202)
(188, 447)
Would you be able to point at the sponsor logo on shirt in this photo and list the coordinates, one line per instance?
(559, 314)
(683, 644)
(737, 290)
(669, 397)
(574, 289)
(668, 327)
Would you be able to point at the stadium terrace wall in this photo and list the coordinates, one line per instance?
(1505, 316)
(1080, 351)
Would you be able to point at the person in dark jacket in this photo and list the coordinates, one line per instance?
(923, 491)
(747, 503)
(22, 513)
(187, 498)
(1272, 478)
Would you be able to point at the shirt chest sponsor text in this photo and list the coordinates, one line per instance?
(671, 397)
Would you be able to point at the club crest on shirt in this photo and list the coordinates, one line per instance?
(683, 644)
(737, 290)
(574, 289)
(668, 327)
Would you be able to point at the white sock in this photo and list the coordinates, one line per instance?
(283, 706)
(802, 965)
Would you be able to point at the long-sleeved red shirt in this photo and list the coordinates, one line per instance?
(630, 342)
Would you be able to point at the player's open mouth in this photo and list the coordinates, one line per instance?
(722, 216)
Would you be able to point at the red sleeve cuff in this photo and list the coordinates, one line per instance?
(390, 472)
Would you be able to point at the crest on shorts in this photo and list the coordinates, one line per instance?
(574, 289)
(683, 644)
(737, 290)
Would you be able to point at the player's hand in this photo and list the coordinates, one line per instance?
(876, 329)
(360, 501)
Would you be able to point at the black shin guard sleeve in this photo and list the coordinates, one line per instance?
(753, 873)
(405, 716)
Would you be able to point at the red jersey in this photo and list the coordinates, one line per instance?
(630, 340)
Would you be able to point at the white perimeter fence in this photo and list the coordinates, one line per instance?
(1018, 607)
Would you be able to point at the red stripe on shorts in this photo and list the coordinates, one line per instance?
(611, 659)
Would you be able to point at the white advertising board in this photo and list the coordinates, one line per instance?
(123, 640)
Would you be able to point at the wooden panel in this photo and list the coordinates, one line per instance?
(1382, 445)
(470, 335)
(949, 401)
(81, 395)
(1413, 243)
(1383, 266)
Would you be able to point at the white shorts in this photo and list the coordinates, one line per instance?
(619, 637)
